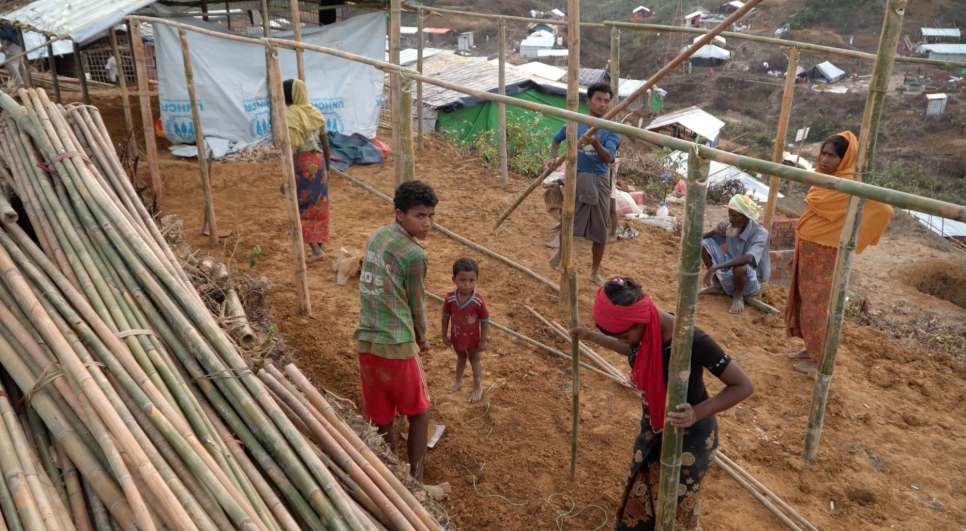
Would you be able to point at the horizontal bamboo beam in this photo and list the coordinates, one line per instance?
(867, 191)
(802, 46)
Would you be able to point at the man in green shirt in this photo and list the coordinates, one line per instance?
(391, 335)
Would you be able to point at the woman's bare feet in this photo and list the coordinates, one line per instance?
(807, 367)
(317, 252)
(440, 492)
(595, 277)
(455, 385)
(800, 355)
(476, 394)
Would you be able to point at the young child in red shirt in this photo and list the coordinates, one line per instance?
(470, 318)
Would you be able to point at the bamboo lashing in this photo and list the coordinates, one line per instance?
(897, 199)
(878, 86)
(617, 109)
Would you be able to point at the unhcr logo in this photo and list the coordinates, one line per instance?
(259, 118)
(181, 127)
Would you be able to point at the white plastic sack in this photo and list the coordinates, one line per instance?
(231, 84)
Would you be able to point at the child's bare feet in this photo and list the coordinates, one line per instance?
(476, 394)
(455, 385)
(440, 492)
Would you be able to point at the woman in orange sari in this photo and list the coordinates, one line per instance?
(816, 247)
(310, 147)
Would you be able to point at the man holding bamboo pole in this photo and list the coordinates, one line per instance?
(593, 178)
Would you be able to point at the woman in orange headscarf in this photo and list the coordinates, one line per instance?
(816, 248)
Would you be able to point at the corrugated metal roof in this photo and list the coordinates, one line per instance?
(692, 15)
(536, 68)
(940, 32)
(408, 56)
(939, 96)
(437, 31)
(78, 19)
(478, 75)
(717, 38)
(589, 76)
(943, 48)
(941, 226)
(552, 53)
(540, 39)
(694, 119)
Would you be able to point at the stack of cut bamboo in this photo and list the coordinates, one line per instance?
(139, 411)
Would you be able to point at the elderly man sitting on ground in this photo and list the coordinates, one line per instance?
(736, 254)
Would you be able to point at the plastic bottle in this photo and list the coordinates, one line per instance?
(662, 209)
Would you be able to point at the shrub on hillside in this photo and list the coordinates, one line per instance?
(525, 146)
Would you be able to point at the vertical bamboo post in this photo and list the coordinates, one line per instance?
(199, 139)
(266, 20)
(52, 65)
(406, 132)
(395, 89)
(420, 41)
(568, 276)
(501, 107)
(297, 36)
(779, 153)
(615, 64)
(878, 86)
(679, 367)
(81, 74)
(287, 163)
(25, 61)
(228, 15)
(147, 117)
(204, 10)
(122, 79)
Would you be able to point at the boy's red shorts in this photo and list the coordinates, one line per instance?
(389, 386)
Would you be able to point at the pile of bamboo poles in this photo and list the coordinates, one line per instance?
(140, 411)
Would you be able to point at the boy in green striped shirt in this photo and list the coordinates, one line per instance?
(391, 335)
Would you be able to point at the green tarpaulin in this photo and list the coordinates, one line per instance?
(464, 124)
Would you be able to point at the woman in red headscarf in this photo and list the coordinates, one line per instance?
(630, 324)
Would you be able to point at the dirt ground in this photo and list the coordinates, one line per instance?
(894, 416)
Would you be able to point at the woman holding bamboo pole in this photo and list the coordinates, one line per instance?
(816, 247)
(630, 324)
(310, 145)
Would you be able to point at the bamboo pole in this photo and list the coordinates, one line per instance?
(122, 80)
(668, 68)
(297, 36)
(615, 64)
(81, 74)
(147, 119)
(52, 66)
(395, 92)
(28, 79)
(75, 496)
(407, 156)
(765, 502)
(779, 152)
(470, 14)
(897, 199)
(679, 367)
(878, 86)
(720, 458)
(802, 46)
(199, 141)
(266, 20)
(501, 107)
(280, 133)
(568, 275)
(420, 43)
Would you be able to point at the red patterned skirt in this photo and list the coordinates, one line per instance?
(806, 312)
(312, 186)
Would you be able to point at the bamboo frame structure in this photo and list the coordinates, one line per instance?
(679, 367)
(81, 74)
(122, 80)
(665, 70)
(779, 152)
(568, 275)
(810, 178)
(802, 46)
(878, 86)
(147, 118)
(296, 36)
(189, 76)
(287, 163)
(420, 43)
(501, 107)
(406, 133)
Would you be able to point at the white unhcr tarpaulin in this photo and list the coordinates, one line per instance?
(231, 84)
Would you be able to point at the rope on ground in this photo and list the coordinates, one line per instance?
(562, 516)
